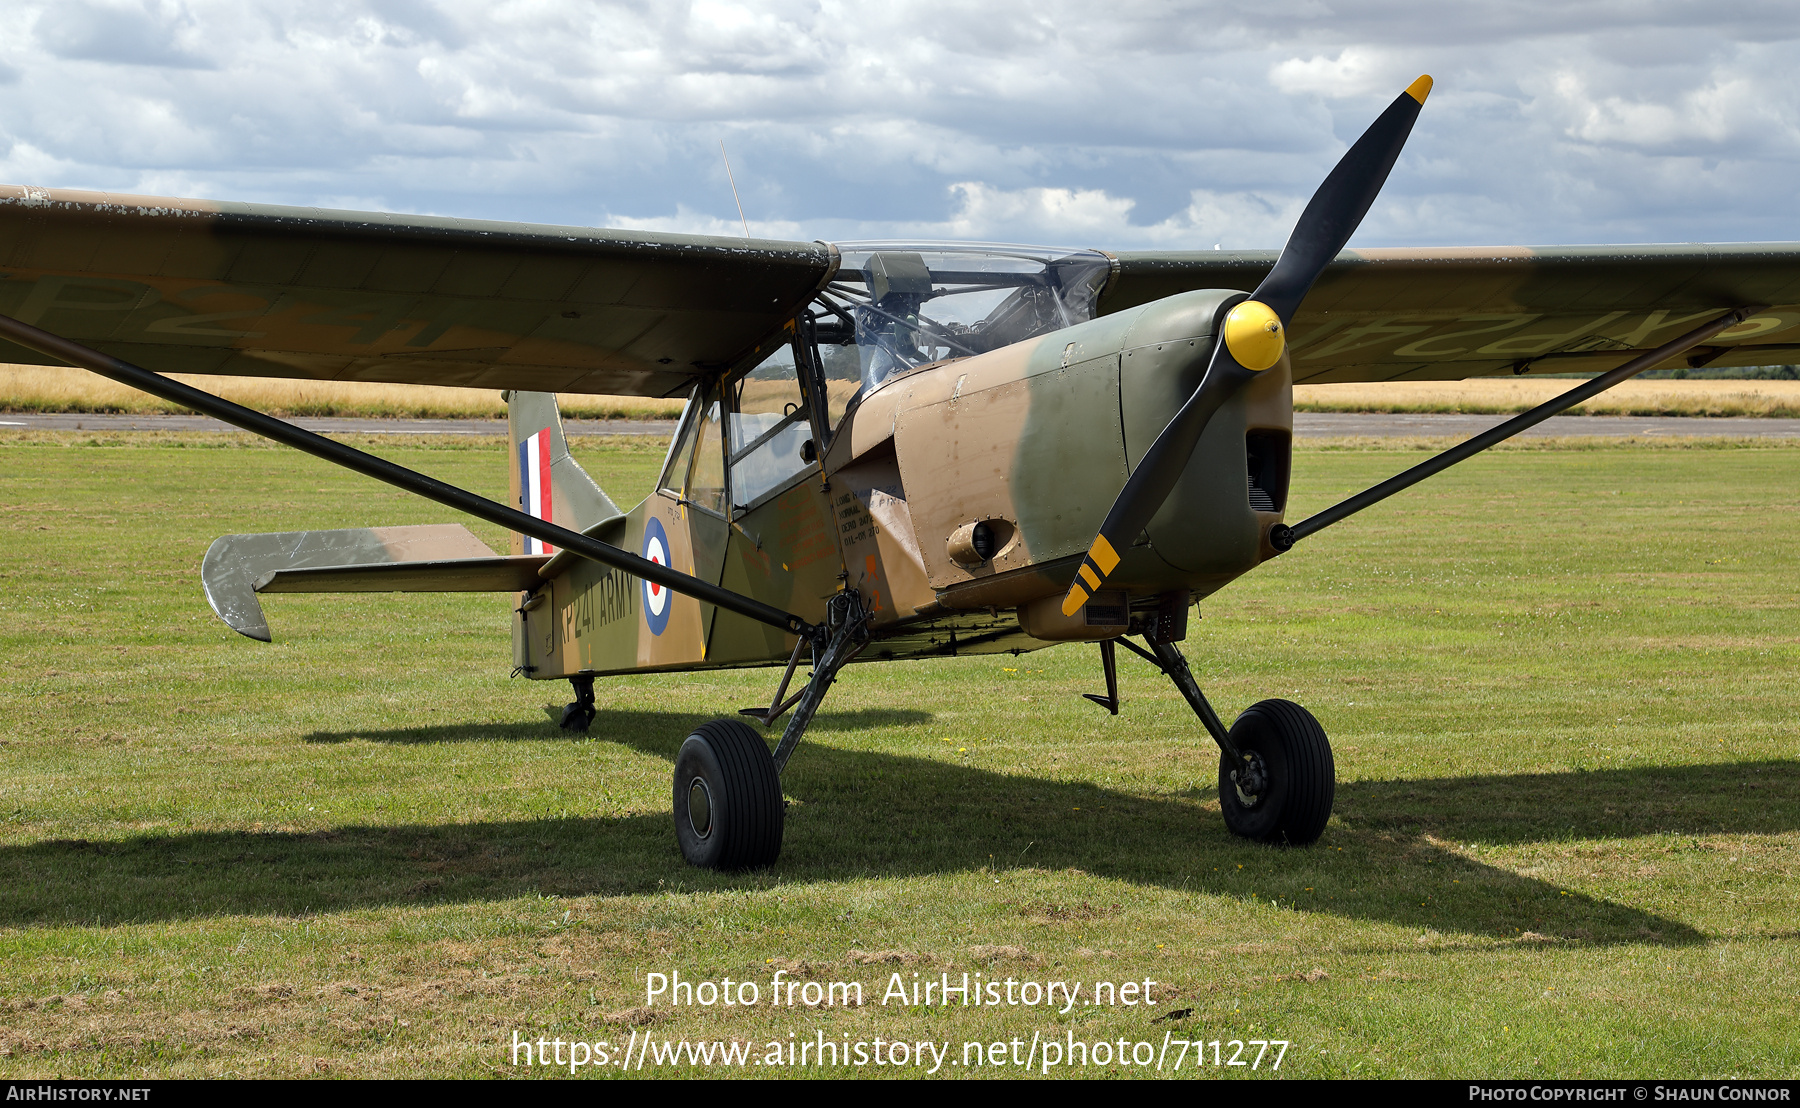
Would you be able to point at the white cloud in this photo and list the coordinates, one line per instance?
(687, 221)
(1142, 123)
(1051, 216)
(1356, 71)
(980, 211)
(1730, 109)
(1078, 214)
(148, 33)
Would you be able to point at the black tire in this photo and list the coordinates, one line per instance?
(1295, 804)
(576, 717)
(727, 799)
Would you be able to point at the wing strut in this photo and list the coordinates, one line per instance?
(369, 465)
(1283, 537)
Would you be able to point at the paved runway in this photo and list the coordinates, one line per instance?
(1306, 425)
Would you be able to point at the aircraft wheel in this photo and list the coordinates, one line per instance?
(1293, 801)
(728, 810)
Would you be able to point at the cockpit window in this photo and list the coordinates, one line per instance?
(770, 429)
(904, 305)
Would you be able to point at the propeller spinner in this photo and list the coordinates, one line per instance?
(1254, 332)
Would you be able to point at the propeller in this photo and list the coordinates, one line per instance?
(1254, 333)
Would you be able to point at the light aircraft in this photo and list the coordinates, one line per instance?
(889, 450)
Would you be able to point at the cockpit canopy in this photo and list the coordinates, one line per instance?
(904, 305)
(891, 307)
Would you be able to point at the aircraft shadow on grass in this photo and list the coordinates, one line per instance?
(871, 814)
(857, 720)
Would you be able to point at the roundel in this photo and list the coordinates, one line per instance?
(656, 597)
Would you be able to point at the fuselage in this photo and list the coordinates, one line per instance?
(957, 497)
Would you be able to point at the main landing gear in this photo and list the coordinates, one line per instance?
(1285, 790)
(1276, 775)
(728, 808)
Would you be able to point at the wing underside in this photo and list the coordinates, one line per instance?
(185, 286)
(1444, 314)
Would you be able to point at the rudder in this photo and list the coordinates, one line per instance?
(546, 482)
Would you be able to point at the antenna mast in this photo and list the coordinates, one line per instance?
(734, 191)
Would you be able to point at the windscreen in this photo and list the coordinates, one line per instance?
(905, 305)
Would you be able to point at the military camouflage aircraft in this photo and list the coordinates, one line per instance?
(889, 450)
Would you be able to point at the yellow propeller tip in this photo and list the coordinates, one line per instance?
(1420, 88)
(1072, 603)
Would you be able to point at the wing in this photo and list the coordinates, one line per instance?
(1443, 314)
(187, 286)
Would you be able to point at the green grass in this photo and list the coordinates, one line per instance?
(1561, 682)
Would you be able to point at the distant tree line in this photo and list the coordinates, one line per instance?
(1729, 373)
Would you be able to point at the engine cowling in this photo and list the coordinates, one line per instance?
(1030, 444)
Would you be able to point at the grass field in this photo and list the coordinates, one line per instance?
(1562, 683)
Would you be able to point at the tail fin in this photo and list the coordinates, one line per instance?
(546, 482)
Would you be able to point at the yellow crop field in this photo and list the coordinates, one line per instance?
(25, 388)
(1516, 394)
(30, 388)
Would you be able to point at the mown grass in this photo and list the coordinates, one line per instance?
(1560, 681)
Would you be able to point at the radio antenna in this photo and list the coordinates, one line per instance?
(734, 191)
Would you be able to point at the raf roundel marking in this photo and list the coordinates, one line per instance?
(656, 597)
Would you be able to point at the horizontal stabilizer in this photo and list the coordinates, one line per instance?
(444, 557)
(500, 573)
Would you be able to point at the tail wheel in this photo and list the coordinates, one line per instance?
(728, 809)
(1292, 776)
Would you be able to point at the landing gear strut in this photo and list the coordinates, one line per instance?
(728, 808)
(1277, 779)
(1109, 665)
(577, 716)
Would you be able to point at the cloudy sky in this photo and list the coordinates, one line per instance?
(1131, 123)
